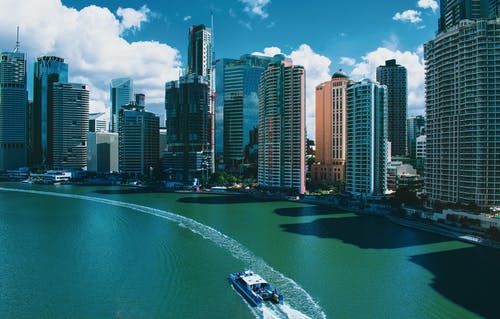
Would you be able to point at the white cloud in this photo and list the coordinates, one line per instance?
(413, 61)
(132, 19)
(317, 69)
(428, 4)
(90, 40)
(256, 7)
(347, 61)
(411, 16)
(187, 18)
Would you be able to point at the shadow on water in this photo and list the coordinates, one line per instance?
(308, 211)
(469, 277)
(134, 190)
(221, 199)
(363, 231)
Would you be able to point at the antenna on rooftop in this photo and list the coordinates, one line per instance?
(16, 49)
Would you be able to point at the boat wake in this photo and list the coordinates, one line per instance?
(299, 304)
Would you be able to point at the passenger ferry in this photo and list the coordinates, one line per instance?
(254, 288)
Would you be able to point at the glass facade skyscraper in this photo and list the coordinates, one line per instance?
(13, 110)
(48, 70)
(394, 77)
(241, 106)
(463, 107)
(121, 92)
(366, 158)
(282, 132)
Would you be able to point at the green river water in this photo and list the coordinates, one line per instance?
(110, 252)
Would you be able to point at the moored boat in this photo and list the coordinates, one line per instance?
(254, 288)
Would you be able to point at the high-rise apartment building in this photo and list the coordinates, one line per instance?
(138, 140)
(394, 76)
(282, 133)
(241, 106)
(366, 158)
(331, 131)
(48, 70)
(121, 93)
(189, 129)
(70, 124)
(13, 110)
(462, 100)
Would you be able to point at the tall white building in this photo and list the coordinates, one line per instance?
(282, 133)
(463, 109)
(366, 158)
(13, 110)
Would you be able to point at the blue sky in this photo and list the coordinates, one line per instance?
(147, 40)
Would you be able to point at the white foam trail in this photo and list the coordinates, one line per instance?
(304, 303)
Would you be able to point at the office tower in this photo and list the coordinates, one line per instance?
(331, 131)
(282, 133)
(13, 110)
(462, 100)
(189, 129)
(366, 157)
(220, 67)
(121, 93)
(453, 11)
(48, 70)
(241, 106)
(97, 122)
(415, 128)
(102, 152)
(140, 99)
(70, 124)
(138, 140)
(200, 51)
(394, 76)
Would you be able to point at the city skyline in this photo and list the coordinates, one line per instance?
(146, 41)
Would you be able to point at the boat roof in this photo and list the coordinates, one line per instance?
(251, 279)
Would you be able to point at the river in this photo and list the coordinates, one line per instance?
(109, 252)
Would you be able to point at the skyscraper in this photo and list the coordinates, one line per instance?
(453, 11)
(200, 51)
(220, 67)
(48, 70)
(366, 163)
(97, 122)
(138, 140)
(70, 124)
(241, 106)
(282, 132)
(189, 130)
(463, 107)
(13, 110)
(415, 128)
(394, 76)
(121, 93)
(331, 130)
